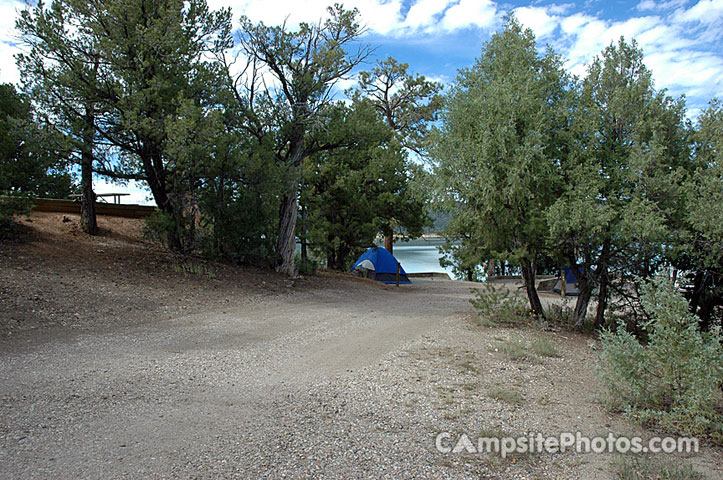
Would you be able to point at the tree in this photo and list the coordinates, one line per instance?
(27, 167)
(154, 57)
(407, 103)
(621, 198)
(351, 192)
(60, 72)
(702, 242)
(305, 64)
(235, 181)
(499, 149)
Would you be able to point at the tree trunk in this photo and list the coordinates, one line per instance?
(286, 241)
(583, 300)
(304, 253)
(603, 280)
(602, 300)
(88, 220)
(528, 268)
(491, 269)
(389, 242)
(340, 257)
(289, 210)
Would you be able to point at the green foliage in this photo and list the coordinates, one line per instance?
(544, 347)
(12, 204)
(190, 267)
(27, 166)
(306, 266)
(499, 147)
(407, 103)
(461, 249)
(292, 117)
(620, 204)
(505, 395)
(353, 193)
(160, 227)
(517, 349)
(675, 379)
(560, 314)
(643, 468)
(115, 77)
(498, 304)
(699, 247)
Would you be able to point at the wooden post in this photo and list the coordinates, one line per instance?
(399, 266)
(562, 283)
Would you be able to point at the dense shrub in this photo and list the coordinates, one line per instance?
(497, 304)
(675, 378)
(176, 232)
(10, 206)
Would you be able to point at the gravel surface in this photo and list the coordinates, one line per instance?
(245, 375)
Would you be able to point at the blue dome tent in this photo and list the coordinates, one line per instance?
(380, 265)
(571, 287)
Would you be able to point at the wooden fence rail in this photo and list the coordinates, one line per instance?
(112, 209)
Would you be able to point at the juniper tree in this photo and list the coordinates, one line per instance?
(629, 154)
(60, 71)
(407, 103)
(500, 147)
(305, 65)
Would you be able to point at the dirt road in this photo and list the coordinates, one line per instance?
(158, 398)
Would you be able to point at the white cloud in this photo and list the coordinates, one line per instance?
(705, 11)
(537, 19)
(378, 16)
(382, 17)
(466, 13)
(8, 40)
(424, 12)
(657, 6)
(680, 38)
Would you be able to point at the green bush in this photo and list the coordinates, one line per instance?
(11, 205)
(306, 266)
(158, 226)
(675, 378)
(497, 304)
(177, 232)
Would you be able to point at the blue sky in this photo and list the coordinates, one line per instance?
(681, 39)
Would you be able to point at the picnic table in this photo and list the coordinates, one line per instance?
(101, 196)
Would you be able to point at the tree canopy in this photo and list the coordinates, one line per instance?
(499, 149)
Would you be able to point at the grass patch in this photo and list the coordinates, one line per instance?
(642, 468)
(193, 268)
(515, 349)
(544, 348)
(468, 367)
(518, 349)
(506, 395)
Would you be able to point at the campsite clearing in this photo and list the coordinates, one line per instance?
(120, 360)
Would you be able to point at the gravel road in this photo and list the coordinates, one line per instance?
(214, 393)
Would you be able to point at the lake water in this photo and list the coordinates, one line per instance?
(420, 255)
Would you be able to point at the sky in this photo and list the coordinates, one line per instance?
(681, 40)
